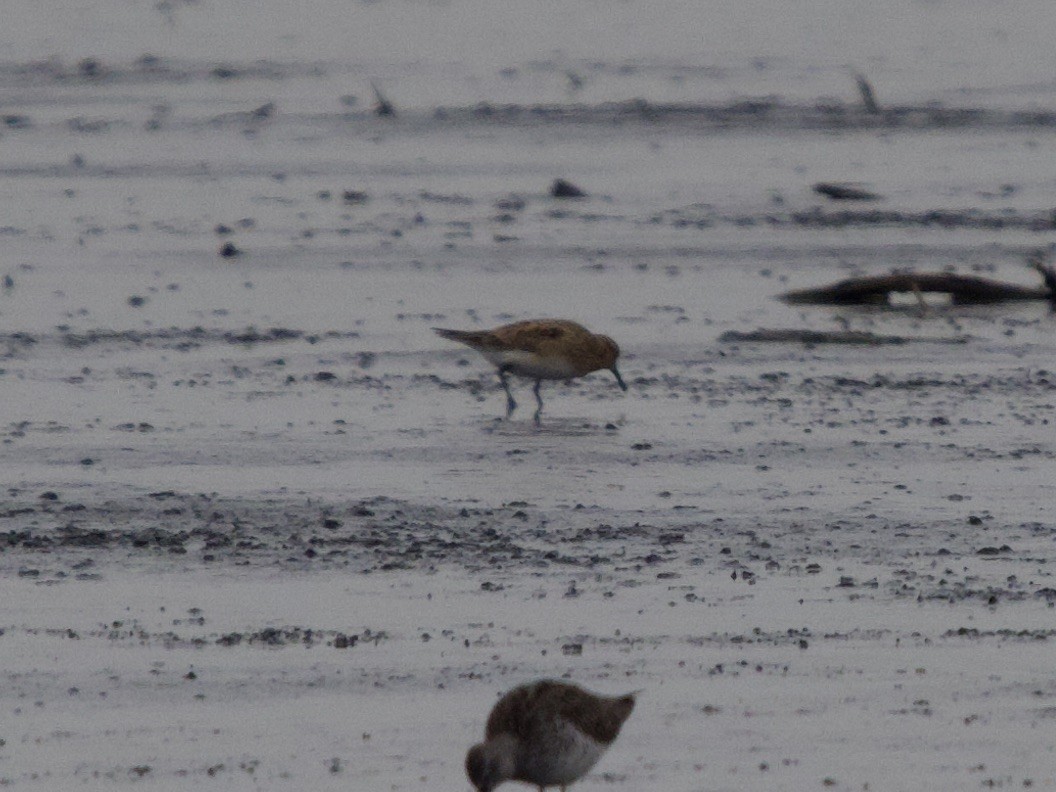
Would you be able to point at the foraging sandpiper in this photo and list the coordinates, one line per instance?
(547, 733)
(541, 349)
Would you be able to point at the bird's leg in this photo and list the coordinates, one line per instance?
(511, 405)
(538, 400)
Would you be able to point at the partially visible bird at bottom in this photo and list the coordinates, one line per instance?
(546, 733)
(550, 349)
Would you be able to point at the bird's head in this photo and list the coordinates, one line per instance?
(610, 354)
(488, 764)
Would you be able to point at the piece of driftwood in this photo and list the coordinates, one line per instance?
(865, 90)
(844, 191)
(794, 336)
(382, 106)
(962, 289)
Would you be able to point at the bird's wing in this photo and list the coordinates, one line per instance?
(536, 335)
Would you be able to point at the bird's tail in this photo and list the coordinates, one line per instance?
(471, 338)
(625, 704)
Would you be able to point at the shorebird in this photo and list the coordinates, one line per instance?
(546, 733)
(540, 349)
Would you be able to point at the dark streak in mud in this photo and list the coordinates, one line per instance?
(51, 541)
(702, 217)
(171, 338)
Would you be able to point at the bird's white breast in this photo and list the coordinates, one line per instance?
(566, 754)
(529, 364)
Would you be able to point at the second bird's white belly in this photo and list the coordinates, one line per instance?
(567, 754)
(531, 365)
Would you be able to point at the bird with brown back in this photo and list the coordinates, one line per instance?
(546, 733)
(550, 349)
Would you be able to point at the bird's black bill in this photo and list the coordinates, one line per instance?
(619, 379)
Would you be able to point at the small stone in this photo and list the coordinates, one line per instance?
(565, 189)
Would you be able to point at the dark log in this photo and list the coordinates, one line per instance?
(962, 289)
(843, 191)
